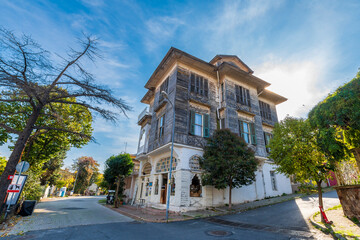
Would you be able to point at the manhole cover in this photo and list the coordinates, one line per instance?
(218, 233)
(73, 208)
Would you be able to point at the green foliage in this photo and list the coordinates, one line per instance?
(294, 150)
(2, 164)
(227, 161)
(66, 177)
(87, 169)
(337, 118)
(32, 189)
(118, 167)
(60, 183)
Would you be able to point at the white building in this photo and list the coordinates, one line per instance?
(222, 93)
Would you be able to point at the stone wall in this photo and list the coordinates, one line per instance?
(349, 198)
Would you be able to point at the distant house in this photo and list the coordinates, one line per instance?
(222, 93)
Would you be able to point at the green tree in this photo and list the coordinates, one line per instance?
(295, 152)
(227, 162)
(337, 118)
(2, 164)
(116, 169)
(87, 169)
(46, 148)
(37, 82)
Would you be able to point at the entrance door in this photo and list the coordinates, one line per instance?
(163, 189)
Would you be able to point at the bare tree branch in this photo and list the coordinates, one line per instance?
(9, 129)
(63, 130)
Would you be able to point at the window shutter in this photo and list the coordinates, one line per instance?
(192, 87)
(241, 95)
(206, 126)
(156, 128)
(253, 135)
(197, 84)
(206, 88)
(201, 88)
(192, 122)
(163, 126)
(241, 128)
(237, 92)
(248, 97)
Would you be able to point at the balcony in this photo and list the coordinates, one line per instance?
(145, 114)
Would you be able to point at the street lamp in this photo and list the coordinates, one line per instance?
(166, 96)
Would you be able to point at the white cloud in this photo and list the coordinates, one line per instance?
(159, 30)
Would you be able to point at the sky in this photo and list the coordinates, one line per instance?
(305, 49)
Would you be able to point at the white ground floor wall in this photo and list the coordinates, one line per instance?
(151, 186)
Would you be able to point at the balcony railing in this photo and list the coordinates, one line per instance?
(143, 114)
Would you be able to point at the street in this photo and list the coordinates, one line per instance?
(66, 212)
(286, 220)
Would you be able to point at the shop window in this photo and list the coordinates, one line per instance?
(172, 184)
(156, 186)
(195, 187)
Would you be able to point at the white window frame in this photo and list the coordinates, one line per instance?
(161, 126)
(198, 125)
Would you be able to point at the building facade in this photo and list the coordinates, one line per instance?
(222, 93)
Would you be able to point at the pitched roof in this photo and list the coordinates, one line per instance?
(231, 59)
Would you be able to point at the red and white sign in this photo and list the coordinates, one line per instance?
(14, 188)
(10, 177)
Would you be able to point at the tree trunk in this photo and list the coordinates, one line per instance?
(116, 201)
(15, 157)
(321, 204)
(230, 188)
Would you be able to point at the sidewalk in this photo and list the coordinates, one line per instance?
(342, 227)
(149, 214)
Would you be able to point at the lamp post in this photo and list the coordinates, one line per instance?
(166, 96)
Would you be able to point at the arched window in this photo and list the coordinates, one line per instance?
(194, 163)
(195, 187)
(146, 169)
(164, 164)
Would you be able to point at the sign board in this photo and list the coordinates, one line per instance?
(10, 177)
(13, 197)
(14, 188)
(22, 166)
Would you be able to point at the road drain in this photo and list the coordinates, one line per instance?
(72, 208)
(218, 233)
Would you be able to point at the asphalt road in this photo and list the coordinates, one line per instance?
(286, 220)
(68, 212)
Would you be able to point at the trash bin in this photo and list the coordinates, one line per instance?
(27, 207)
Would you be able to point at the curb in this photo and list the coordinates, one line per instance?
(141, 219)
(324, 230)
